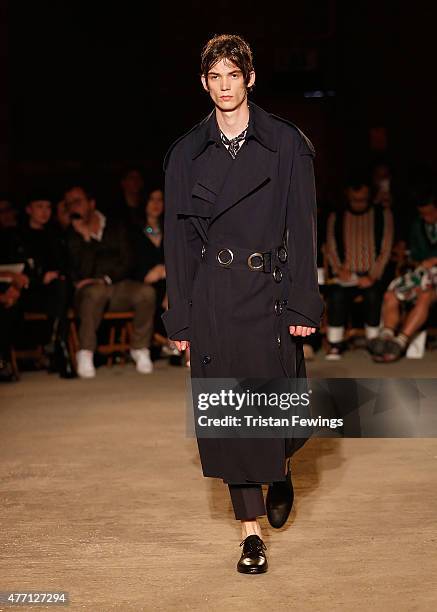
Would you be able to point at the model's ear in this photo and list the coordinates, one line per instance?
(205, 86)
(251, 78)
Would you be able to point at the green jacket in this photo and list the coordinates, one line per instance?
(420, 245)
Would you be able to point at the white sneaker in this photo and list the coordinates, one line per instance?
(85, 365)
(142, 359)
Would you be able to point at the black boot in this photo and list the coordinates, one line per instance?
(279, 501)
(63, 362)
(57, 351)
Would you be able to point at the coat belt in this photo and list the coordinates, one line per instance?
(240, 258)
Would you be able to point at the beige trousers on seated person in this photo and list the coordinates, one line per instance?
(93, 300)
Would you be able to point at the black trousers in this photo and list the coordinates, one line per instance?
(10, 319)
(52, 299)
(340, 299)
(247, 501)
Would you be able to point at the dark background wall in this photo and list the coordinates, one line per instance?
(93, 85)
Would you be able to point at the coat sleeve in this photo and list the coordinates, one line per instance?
(181, 252)
(304, 303)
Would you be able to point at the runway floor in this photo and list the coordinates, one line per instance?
(102, 496)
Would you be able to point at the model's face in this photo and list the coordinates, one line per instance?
(39, 211)
(226, 86)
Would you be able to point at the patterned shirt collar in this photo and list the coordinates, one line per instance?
(233, 145)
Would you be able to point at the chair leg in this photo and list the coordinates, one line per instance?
(14, 364)
(74, 336)
(111, 345)
(72, 346)
(123, 333)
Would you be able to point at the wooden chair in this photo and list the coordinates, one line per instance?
(120, 333)
(36, 353)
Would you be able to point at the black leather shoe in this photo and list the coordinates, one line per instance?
(253, 559)
(279, 501)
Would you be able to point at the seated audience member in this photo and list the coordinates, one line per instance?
(101, 263)
(382, 185)
(12, 284)
(417, 288)
(386, 193)
(149, 262)
(358, 247)
(62, 216)
(48, 290)
(129, 206)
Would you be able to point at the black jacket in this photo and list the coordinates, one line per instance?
(112, 256)
(46, 251)
(146, 254)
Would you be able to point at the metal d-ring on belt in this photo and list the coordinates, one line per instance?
(245, 259)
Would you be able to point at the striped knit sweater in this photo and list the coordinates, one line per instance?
(358, 243)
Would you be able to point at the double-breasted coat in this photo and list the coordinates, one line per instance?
(236, 317)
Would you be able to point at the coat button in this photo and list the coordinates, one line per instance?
(282, 254)
(278, 340)
(206, 359)
(277, 274)
(279, 307)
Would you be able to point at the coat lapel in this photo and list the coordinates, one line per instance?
(221, 182)
(248, 172)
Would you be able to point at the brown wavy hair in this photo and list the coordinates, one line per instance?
(231, 47)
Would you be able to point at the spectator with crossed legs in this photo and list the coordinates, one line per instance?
(417, 288)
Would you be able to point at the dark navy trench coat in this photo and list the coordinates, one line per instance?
(256, 201)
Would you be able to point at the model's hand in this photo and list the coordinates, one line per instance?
(182, 345)
(300, 330)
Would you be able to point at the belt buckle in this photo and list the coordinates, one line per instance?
(251, 265)
(225, 263)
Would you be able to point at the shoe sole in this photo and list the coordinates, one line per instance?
(253, 571)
